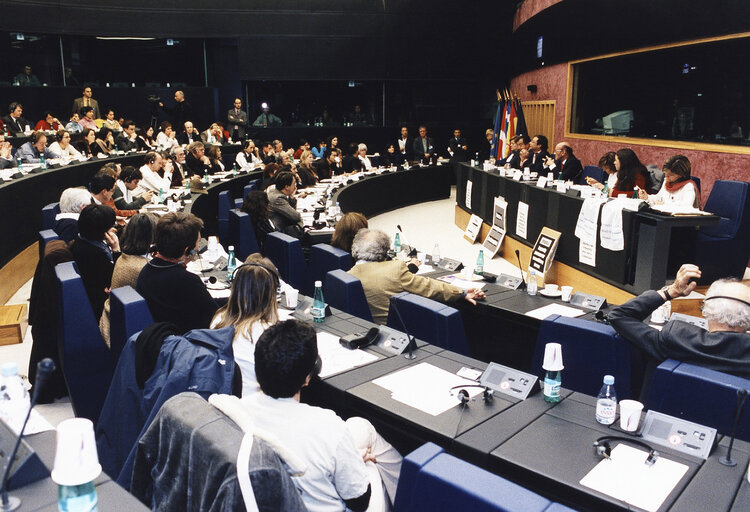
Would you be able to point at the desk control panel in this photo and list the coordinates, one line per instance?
(677, 434)
(507, 281)
(508, 381)
(392, 341)
(584, 300)
(692, 320)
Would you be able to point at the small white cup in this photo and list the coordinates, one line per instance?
(76, 460)
(550, 289)
(421, 256)
(292, 296)
(567, 292)
(630, 415)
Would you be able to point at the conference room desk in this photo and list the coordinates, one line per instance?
(42, 494)
(648, 235)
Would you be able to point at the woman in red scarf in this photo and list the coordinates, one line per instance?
(678, 187)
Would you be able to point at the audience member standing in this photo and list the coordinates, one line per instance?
(86, 100)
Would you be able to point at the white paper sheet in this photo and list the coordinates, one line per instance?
(337, 359)
(425, 269)
(469, 186)
(426, 388)
(586, 228)
(554, 309)
(461, 282)
(522, 219)
(626, 477)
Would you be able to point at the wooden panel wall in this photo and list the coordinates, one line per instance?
(540, 119)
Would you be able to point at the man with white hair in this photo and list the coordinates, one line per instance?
(382, 278)
(72, 201)
(724, 347)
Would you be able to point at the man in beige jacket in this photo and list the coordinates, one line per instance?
(382, 278)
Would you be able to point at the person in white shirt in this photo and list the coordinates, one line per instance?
(152, 180)
(362, 154)
(345, 460)
(63, 149)
(678, 188)
(166, 139)
(248, 158)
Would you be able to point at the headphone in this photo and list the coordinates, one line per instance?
(355, 341)
(746, 303)
(604, 449)
(463, 396)
(273, 272)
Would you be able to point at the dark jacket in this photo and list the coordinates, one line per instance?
(187, 460)
(535, 162)
(570, 170)
(95, 267)
(201, 361)
(195, 166)
(66, 229)
(123, 143)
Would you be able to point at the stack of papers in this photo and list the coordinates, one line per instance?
(554, 309)
(337, 359)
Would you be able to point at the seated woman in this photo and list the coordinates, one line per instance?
(305, 171)
(346, 229)
(135, 244)
(362, 154)
(678, 187)
(320, 149)
(62, 148)
(167, 138)
(106, 140)
(256, 205)
(72, 202)
(123, 196)
(269, 171)
(111, 123)
(145, 139)
(631, 173)
(391, 156)
(607, 164)
(214, 155)
(89, 145)
(251, 309)
(95, 250)
(248, 158)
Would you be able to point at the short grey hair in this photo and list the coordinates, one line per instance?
(73, 200)
(195, 145)
(733, 313)
(362, 146)
(370, 245)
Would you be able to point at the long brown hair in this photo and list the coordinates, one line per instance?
(345, 230)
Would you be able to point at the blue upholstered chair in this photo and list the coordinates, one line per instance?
(344, 291)
(49, 213)
(87, 363)
(723, 250)
(592, 171)
(698, 394)
(242, 234)
(253, 185)
(128, 314)
(238, 203)
(46, 235)
(697, 182)
(222, 218)
(286, 253)
(438, 482)
(430, 321)
(323, 259)
(590, 351)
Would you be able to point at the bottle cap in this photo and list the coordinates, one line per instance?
(553, 360)
(609, 380)
(231, 247)
(318, 283)
(9, 369)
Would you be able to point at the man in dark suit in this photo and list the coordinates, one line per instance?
(126, 141)
(564, 165)
(180, 170)
(404, 148)
(196, 161)
(424, 146)
(14, 123)
(458, 147)
(181, 112)
(351, 162)
(237, 119)
(190, 135)
(537, 154)
(86, 101)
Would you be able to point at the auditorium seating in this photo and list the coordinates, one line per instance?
(723, 250)
(253, 185)
(46, 235)
(286, 253)
(87, 363)
(698, 394)
(242, 235)
(222, 218)
(128, 314)
(344, 291)
(49, 213)
(324, 258)
(590, 351)
(594, 172)
(433, 481)
(430, 321)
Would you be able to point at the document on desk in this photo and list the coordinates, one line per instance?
(522, 219)
(626, 477)
(461, 282)
(554, 309)
(337, 359)
(426, 388)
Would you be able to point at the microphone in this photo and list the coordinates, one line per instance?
(601, 317)
(741, 396)
(412, 346)
(44, 369)
(523, 282)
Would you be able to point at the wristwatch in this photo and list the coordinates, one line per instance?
(666, 293)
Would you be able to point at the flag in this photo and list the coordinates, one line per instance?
(521, 123)
(499, 118)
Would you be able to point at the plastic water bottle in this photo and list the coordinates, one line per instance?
(161, 195)
(480, 263)
(14, 397)
(319, 304)
(552, 384)
(231, 264)
(532, 285)
(606, 402)
(19, 164)
(397, 243)
(77, 498)
(234, 169)
(436, 253)
(43, 162)
(206, 179)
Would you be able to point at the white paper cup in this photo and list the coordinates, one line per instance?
(567, 292)
(553, 360)
(291, 298)
(76, 460)
(550, 289)
(630, 415)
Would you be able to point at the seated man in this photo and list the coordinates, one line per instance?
(196, 161)
(126, 141)
(189, 136)
(382, 278)
(6, 155)
(564, 165)
(127, 183)
(72, 202)
(14, 123)
(724, 347)
(284, 214)
(32, 151)
(537, 154)
(348, 463)
(172, 293)
(74, 126)
(153, 177)
(49, 123)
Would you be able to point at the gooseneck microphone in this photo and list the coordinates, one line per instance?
(44, 369)
(523, 282)
(412, 346)
(741, 396)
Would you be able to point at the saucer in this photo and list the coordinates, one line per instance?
(554, 294)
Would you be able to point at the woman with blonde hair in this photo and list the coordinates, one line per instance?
(251, 309)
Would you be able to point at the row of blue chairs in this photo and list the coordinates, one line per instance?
(434, 481)
(227, 204)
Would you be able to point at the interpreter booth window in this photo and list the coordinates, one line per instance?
(30, 60)
(694, 93)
